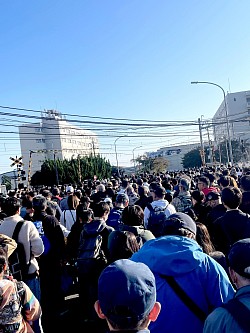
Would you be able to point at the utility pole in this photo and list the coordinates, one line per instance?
(202, 153)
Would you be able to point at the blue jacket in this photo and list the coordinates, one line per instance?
(202, 278)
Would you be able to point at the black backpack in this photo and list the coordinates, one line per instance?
(156, 219)
(18, 265)
(90, 253)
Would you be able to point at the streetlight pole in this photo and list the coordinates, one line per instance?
(226, 110)
(117, 164)
(134, 156)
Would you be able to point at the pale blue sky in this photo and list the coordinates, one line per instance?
(121, 59)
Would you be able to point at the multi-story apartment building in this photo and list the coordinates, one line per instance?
(238, 112)
(54, 138)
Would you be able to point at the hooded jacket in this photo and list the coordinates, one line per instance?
(200, 276)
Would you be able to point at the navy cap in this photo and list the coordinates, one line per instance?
(239, 257)
(126, 291)
(177, 221)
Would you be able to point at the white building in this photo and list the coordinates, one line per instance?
(238, 108)
(174, 154)
(54, 138)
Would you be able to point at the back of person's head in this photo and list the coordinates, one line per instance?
(179, 224)
(125, 183)
(122, 198)
(100, 188)
(73, 201)
(133, 215)
(203, 238)
(224, 181)
(245, 182)
(11, 206)
(39, 203)
(184, 183)
(127, 302)
(84, 214)
(160, 192)
(55, 191)
(231, 197)
(198, 196)
(46, 193)
(123, 244)
(139, 181)
(130, 189)
(239, 258)
(100, 209)
(143, 191)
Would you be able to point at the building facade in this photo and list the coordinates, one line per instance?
(54, 138)
(174, 154)
(238, 110)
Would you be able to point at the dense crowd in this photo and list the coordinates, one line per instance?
(189, 230)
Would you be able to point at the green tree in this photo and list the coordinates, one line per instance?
(151, 164)
(7, 182)
(72, 171)
(192, 159)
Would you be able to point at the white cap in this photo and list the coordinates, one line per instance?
(70, 189)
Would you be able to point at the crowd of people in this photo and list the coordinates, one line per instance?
(165, 252)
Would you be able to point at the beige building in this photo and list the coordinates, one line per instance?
(54, 138)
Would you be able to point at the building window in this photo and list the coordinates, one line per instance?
(40, 140)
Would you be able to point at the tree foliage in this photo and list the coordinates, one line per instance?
(71, 171)
(150, 164)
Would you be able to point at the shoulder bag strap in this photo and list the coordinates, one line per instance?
(150, 208)
(17, 229)
(239, 312)
(185, 298)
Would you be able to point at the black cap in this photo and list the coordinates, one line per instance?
(239, 257)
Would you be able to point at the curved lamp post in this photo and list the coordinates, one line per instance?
(134, 156)
(226, 110)
(117, 164)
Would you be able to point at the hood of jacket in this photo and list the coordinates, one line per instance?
(94, 227)
(170, 255)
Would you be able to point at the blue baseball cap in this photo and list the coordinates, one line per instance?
(126, 291)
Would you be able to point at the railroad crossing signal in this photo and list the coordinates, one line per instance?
(17, 161)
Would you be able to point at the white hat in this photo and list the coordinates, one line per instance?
(70, 189)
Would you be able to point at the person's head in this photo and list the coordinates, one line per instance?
(121, 200)
(130, 302)
(101, 210)
(86, 201)
(39, 203)
(245, 183)
(213, 199)
(109, 201)
(133, 215)
(69, 190)
(231, 197)
(203, 182)
(224, 181)
(198, 197)
(203, 238)
(125, 183)
(123, 244)
(100, 188)
(180, 224)
(130, 189)
(73, 201)
(11, 206)
(184, 185)
(143, 191)
(47, 194)
(83, 215)
(55, 191)
(159, 193)
(239, 263)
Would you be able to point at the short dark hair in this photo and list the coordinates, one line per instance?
(224, 181)
(231, 197)
(133, 215)
(11, 206)
(245, 182)
(100, 209)
(39, 203)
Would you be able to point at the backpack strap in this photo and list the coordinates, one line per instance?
(239, 312)
(17, 229)
(185, 298)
